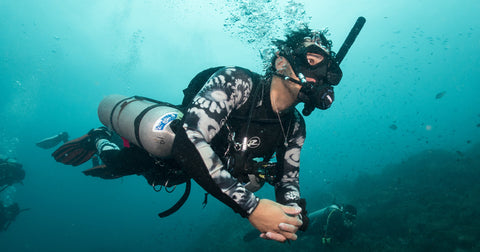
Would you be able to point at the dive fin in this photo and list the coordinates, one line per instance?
(76, 151)
(51, 142)
(101, 171)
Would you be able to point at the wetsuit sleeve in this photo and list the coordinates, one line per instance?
(226, 90)
(287, 189)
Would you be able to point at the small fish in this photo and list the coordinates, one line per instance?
(440, 95)
(393, 127)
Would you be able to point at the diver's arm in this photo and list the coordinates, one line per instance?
(227, 90)
(287, 189)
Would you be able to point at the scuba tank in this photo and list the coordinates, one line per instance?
(142, 121)
(146, 123)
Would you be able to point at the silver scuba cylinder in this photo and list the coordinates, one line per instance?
(142, 121)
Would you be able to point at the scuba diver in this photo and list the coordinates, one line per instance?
(11, 172)
(8, 215)
(334, 223)
(234, 131)
(53, 141)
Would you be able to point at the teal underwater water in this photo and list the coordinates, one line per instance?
(408, 100)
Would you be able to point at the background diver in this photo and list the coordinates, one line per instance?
(11, 172)
(8, 214)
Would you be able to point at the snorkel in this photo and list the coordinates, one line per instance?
(326, 74)
(321, 96)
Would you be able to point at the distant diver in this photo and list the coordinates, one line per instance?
(334, 224)
(11, 172)
(8, 214)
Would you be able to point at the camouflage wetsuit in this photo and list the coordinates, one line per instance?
(226, 92)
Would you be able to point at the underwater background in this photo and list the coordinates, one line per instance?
(401, 141)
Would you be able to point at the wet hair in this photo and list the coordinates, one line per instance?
(294, 40)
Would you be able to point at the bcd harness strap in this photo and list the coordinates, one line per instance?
(326, 239)
(138, 119)
(180, 202)
(140, 116)
(189, 159)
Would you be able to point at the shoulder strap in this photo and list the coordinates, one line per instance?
(196, 84)
(191, 162)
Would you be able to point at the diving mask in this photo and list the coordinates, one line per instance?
(324, 70)
(314, 62)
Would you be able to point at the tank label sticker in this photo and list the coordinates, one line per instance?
(163, 121)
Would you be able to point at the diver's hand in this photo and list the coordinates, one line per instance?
(275, 221)
(278, 237)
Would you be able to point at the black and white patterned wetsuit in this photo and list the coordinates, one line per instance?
(227, 91)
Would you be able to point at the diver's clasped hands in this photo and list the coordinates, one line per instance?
(290, 229)
(275, 221)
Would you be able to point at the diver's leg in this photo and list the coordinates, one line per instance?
(80, 150)
(119, 162)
